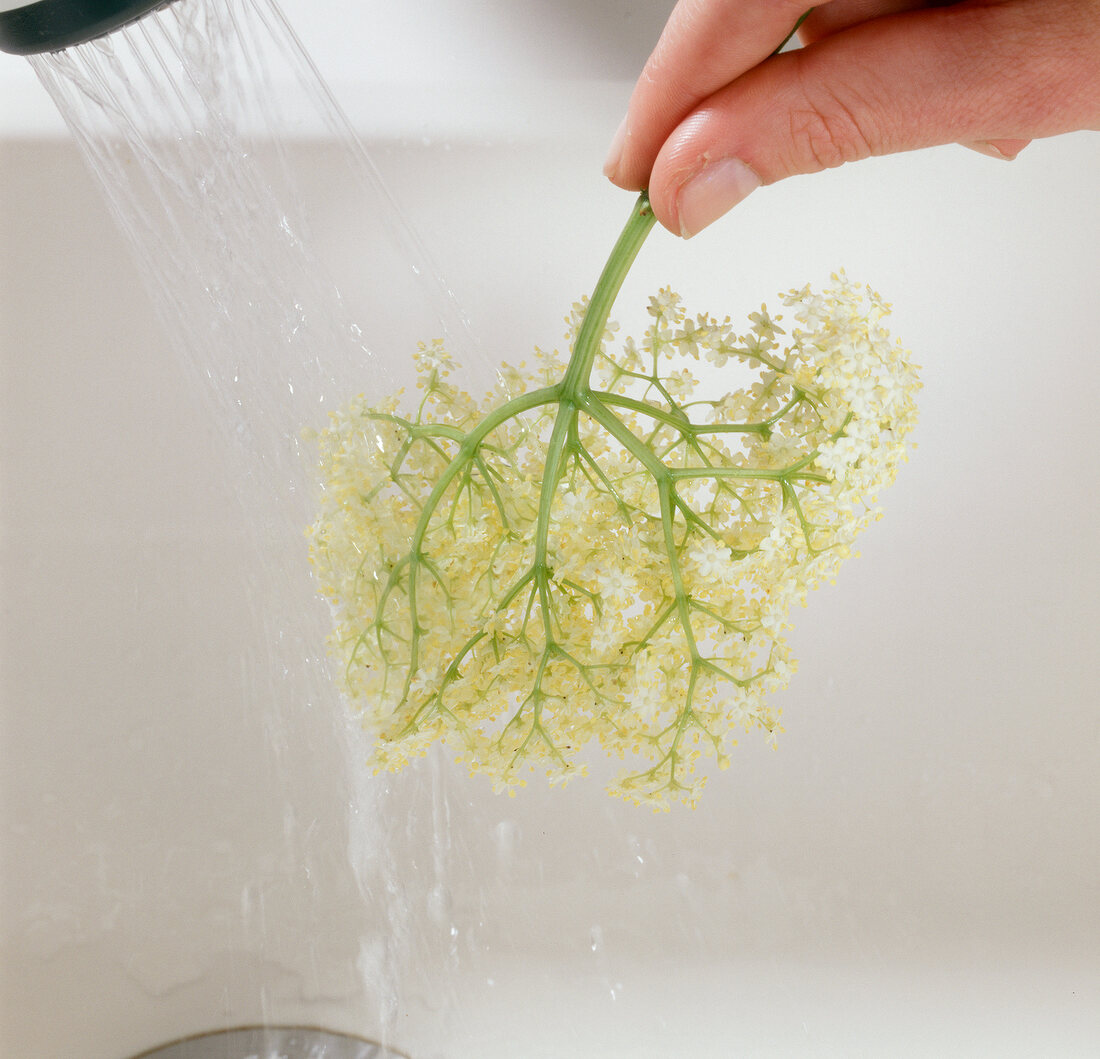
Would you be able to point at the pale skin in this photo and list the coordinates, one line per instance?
(715, 114)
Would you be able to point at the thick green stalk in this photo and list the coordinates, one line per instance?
(603, 297)
(574, 387)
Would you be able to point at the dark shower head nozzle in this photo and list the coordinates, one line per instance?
(50, 25)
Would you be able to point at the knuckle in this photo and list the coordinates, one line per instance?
(826, 130)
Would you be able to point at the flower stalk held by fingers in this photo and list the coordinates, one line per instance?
(600, 554)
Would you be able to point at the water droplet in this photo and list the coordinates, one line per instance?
(507, 840)
(439, 905)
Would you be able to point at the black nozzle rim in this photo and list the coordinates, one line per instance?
(51, 25)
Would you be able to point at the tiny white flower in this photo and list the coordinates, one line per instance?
(435, 357)
(688, 337)
(711, 559)
(718, 353)
(763, 324)
(425, 684)
(758, 346)
(606, 639)
(664, 304)
(572, 507)
(616, 584)
(680, 384)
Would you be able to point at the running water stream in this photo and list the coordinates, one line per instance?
(189, 120)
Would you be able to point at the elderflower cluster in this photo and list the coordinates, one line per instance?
(613, 564)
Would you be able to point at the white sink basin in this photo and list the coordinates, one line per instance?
(913, 873)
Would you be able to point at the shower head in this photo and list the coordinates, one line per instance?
(50, 25)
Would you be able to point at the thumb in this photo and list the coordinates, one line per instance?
(971, 73)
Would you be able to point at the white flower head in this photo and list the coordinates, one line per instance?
(523, 580)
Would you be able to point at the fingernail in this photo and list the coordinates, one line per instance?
(713, 191)
(1006, 150)
(985, 147)
(615, 151)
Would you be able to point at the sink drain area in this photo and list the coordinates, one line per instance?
(272, 1042)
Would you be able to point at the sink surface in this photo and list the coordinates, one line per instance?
(913, 872)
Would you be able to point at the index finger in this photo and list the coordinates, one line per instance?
(704, 46)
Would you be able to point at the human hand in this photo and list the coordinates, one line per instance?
(716, 113)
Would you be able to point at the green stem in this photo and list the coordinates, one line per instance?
(787, 39)
(574, 388)
(680, 422)
(603, 297)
